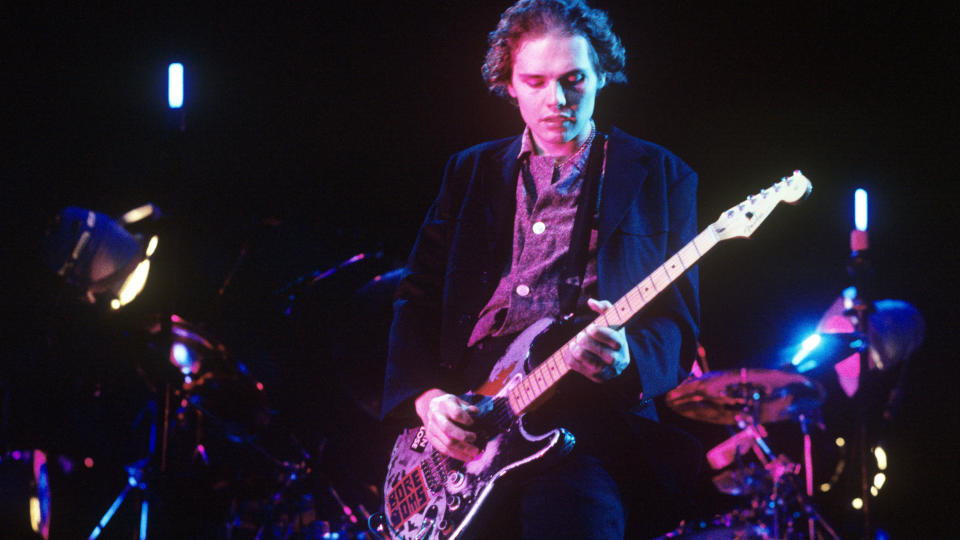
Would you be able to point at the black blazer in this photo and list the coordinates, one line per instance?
(647, 213)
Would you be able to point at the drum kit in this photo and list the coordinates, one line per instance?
(779, 501)
(212, 429)
(775, 492)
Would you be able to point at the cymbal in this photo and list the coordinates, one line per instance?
(765, 395)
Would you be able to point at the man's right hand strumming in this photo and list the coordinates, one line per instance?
(445, 416)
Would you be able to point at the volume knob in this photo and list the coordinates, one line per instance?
(455, 480)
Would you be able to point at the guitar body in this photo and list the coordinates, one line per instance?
(430, 496)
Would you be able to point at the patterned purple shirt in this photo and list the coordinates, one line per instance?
(542, 227)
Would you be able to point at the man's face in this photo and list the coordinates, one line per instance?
(555, 84)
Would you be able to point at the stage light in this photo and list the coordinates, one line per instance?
(818, 350)
(140, 213)
(857, 503)
(135, 282)
(152, 245)
(881, 456)
(182, 357)
(95, 253)
(874, 491)
(190, 349)
(860, 209)
(175, 85)
(825, 487)
(879, 479)
(840, 442)
(806, 347)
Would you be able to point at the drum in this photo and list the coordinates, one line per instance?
(736, 525)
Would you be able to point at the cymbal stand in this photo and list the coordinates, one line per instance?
(752, 404)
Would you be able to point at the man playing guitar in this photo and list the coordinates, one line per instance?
(543, 225)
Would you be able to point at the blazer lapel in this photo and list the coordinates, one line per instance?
(624, 176)
(501, 185)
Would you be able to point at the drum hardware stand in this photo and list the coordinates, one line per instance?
(780, 468)
(138, 474)
(291, 474)
(859, 269)
(813, 516)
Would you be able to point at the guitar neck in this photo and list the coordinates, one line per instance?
(536, 386)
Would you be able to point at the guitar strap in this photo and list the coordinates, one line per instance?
(571, 281)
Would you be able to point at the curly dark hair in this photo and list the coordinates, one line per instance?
(541, 16)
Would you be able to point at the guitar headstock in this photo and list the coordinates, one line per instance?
(744, 218)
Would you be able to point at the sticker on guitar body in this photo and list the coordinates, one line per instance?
(407, 498)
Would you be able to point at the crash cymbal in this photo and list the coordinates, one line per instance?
(764, 395)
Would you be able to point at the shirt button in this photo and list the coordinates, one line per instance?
(523, 290)
(539, 227)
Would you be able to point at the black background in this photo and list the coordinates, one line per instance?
(314, 132)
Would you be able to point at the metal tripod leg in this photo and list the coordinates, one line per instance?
(136, 479)
(108, 515)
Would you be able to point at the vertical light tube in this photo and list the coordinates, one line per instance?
(860, 209)
(175, 85)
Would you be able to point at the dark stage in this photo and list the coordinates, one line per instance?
(314, 132)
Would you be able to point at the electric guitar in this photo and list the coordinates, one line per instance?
(431, 496)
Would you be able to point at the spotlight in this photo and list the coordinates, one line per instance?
(881, 456)
(95, 253)
(879, 479)
(819, 350)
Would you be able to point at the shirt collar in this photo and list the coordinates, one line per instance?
(526, 141)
